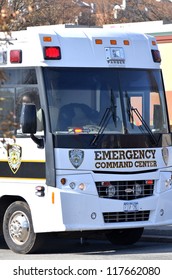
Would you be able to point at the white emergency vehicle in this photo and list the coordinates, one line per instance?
(85, 137)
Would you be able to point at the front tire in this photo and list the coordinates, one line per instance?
(18, 228)
(124, 236)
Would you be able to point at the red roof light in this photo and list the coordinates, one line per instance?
(16, 56)
(156, 56)
(52, 53)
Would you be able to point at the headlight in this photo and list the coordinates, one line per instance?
(82, 186)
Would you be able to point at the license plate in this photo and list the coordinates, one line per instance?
(131, 207)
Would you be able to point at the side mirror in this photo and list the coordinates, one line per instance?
(28, 118)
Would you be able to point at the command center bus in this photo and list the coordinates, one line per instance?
(85, 138)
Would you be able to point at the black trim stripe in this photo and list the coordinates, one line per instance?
(110, 141)
(26, 170)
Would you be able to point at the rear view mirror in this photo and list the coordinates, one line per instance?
(28, 118)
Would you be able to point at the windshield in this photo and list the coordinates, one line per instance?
(105, 101)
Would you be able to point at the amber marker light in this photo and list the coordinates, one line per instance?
(47, 39)
(126, 42)
(78, 130)
(63, 181)
(53, 197)
(98, 41)
(113, 42)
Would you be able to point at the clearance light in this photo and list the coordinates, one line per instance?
(156, 56)
(47, 39)
(153, 43)
(126, 42)
(16, 56)
(113, 42)
(98, 41)
(52, 53)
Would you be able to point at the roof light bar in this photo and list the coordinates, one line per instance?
(52, 53)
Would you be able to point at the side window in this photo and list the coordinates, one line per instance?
(11, 100)
(137, 102)
(158, 122)
(18, 86)
(8, 123)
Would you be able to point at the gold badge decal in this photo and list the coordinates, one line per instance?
(14, 153)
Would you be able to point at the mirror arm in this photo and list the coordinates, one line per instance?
(38, 141)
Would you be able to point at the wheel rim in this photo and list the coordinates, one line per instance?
(19, 227)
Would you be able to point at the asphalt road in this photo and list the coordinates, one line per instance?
(154, 244)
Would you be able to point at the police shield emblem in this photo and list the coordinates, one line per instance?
(14, 153)
(76, 157)
(165, 155)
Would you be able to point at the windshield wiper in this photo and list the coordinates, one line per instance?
(103, 123)
(135, 110)
(109, 112)
(113, 108)
(131, 109)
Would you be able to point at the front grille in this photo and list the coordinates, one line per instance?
(121, 217)
(125, 190)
